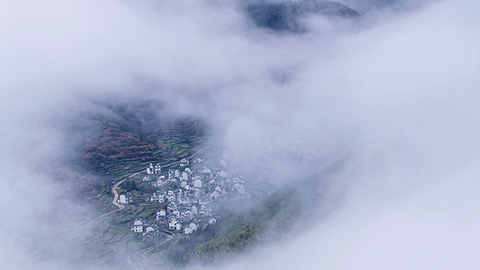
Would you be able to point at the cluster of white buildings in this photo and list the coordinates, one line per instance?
(190, 197)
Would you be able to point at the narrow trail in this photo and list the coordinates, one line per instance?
(137, 265)
(115, 195)
(115, 198)
(114, 202)
(121, 207)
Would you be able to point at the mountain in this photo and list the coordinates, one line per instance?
(287, 15)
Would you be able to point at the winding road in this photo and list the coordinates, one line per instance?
(136, 265)
(115, 193)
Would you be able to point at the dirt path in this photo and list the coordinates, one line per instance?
(115, 195)
(137, 173)
(120, 207)
(137, 264)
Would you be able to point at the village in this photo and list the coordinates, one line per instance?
(189, 198)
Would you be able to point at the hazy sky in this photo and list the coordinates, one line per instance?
(397, 91)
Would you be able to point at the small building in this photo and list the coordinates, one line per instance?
(171, 207)
(138, 226)
(125, 198)
(146, 178)
(161, 214)
(194, 210)
(151, 228)
(171, 173)
(197, 183)
(214, 195)
(174, 225)
(122, 199)
(190, 229)
(157, 198)
(154, 169)
(184, 162)
(129, 197)
(198, 160)
(158, 168)
(161, 181)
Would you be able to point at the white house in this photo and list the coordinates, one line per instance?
(214, 195)
(184, 162)
(122, 199)
(173, 224)
(171, 207)
(158, 168)
(197, 183)
(150, 169)
(195, 210)
(156, 197)
(161, 181)
(197, 160)
(149, 229)
(125, 198)
(146, 178)
(129, 198)
(161, 213)
(154, 169)
(138, 226)
(190, 229)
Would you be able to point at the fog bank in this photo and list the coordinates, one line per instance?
(395, 92)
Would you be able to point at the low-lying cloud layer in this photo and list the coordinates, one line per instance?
(395, 92)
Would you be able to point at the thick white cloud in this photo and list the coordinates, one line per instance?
(399, 96)
(410, 87)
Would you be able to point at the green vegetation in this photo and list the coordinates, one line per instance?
(125, 142)
(237, 233)
(130, 136)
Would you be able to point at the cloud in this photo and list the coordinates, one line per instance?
(395, 93)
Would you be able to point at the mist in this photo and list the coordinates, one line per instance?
(390, 97)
